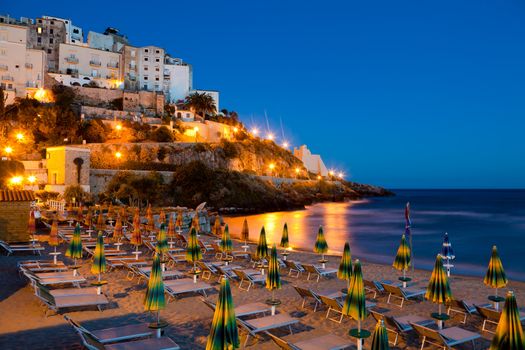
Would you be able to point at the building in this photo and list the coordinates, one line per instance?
(110, 40)
(151, 68)
(178, 79)
(85, 66)
(129, 68)
(21, 69)
(207, 131)
(47, 35)
(213, 93)
(312, 162)
(67, 166)
(74, 34)
(15, 206)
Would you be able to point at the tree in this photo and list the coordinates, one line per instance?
(162, 134)
(93, 132)
(201, 103)
(76, 192)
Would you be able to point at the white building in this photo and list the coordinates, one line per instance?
(312, 162)
(178, 79)
(151, 68)
(213, 93)
(21, 69)
(82, 65)
(110, 40)
(74, 34)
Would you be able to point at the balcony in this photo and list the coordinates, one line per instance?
(72, 60)
(132, 66)
(7, 78)
(95, 63)
(29, 65)
(113, 65)
(3, 67)
(31, 84)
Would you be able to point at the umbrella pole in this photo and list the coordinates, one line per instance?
(137, 252)
(158, 323)
(75, 270)
(496, 304)
(55, 256)
(99, 288)
(404, 278)
(194, 272)
(359, 340)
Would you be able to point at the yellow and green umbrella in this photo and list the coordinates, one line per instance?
(88, 219)
(136, 235)
(438, 289)
(402, 260)
(345, 266)
(179, 222)
(245, 234)
(380, 337)
(217, 228)
(162, 217)
(74, 250)
(320, 246)
(154, 299)
(273, 279)
(509, 333)
(162, 241)
(101, 223)
(495, 276)
(262, 246)
(118, 230)
(99, 258)
(355, 303)
(226, 242)
(193, 251)
(224, 334)
(150, 221)
(284, 237)
(196, 223)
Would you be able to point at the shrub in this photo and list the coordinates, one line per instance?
(162, 134)
(93, 131)
(75, 191)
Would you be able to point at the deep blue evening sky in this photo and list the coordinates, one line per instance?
(396, 93)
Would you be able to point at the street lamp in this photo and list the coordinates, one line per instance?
(271, 167)
(297, 171)
(331, 174)
(118, 127)
(319, 177)
(118, 155)
(340, 175)
(285, 144)
(255, 131)
(196, 130)
(31, 179)
(16, 181)
(8, 150)
(20, 136)
(270, 136)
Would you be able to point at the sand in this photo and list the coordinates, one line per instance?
(23, 324)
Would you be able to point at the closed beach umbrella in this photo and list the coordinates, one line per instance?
(195, 222)
(284, 237)
(154, 299)
(118, 230)
(226, 242)
(99, 258)
(171, 228)
(447, 253)
(321, 246)
(402, 260)
(345, 267)
(245, 234)
(193, 251)
(217, 228)
(101, 223)
(31, 225)
(88, 219)
(179, 222)
(136, 235)
(262, 246)
(380, 337)
(224, 334)
(438, 289)
(150, 221)
(162, 241)
(80, 214)
(273, 279)
(53, 239)
(74, 250)
(509, 333)
(495, 276)
(355, 304)
(162, 217)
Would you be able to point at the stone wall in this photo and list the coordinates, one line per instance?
(96, 96)
(99, 178)
(14, 217)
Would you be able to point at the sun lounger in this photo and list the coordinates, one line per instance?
(376, 287)
(185, 285)
(294, 267)
(402, 294)
(316, 271)
(323, 342)
(491, 315)
(243, 310)
(26, 247)
(69, 301)
(306, 294)
(445, 338)
(114, 334)
(400, 325)
(41, 266)
(336, 306)
(258, 325)
(53, 279)
(251, 280)
(462, 307)
(207, 270)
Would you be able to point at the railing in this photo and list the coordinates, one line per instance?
(7, 78)
(113, 65)
(29, 65)
(95, 63)
(31, 84)
(71, 59)
(56, 205)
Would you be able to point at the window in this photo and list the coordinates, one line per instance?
(157, 60)
(39, 21)
(145, 67)
(146, 50)
(51, 31)
(156, 87)
(145, 87)
(146, 59)
(52, 22)
(50, 40)
(39, 40)
(76, 31)
(157, 78)
(132, 53)
(145, 77)
(39, 30)
(157, 51)
(49, 51)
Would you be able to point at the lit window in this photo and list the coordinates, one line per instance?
(39, 30)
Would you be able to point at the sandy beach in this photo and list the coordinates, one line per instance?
(23, 324)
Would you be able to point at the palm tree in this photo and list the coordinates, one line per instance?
(201, 103)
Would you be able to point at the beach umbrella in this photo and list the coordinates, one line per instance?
(150, 220)
(53, 239)
(118, 230)
(262, 246)
(74, 250)
(101, 223)
(402, 260)
(80, 214)
(193, 252)
(171, 229)
(380, 337)
(162, 217)
(284, 237)
(136, 235)
(273, 279)
(408, 232)
(495, 276)
(509, 333)
(245, 234)
(179, 221)
(110, 211)
(154, 299)
(224, 334)
(217, 228)
(355, 304)
(88, 219)
(99, 259)
(438, 289)
(31, 225)
(447, 253)
(321, 246)
(195, 222)
(162, 241)
(345, 266)
(226, 242)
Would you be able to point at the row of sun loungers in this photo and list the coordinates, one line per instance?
(12, 248)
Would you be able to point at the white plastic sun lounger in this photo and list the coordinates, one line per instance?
(69, 301)
(14, 248)
(262, 324)
(317, 272)
(445, 338)
(402, 294)
(323, 342)
(182, 286)
(243, 310)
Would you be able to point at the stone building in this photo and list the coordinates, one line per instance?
(47, 34)
(14, 215)
(67, 166)
(312, 162)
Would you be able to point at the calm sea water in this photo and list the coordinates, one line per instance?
(474, 219)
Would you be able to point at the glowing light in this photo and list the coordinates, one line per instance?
(16, 180)
(285, 144)
(331, 173)
(271, 166)
(19, 136)
(42, 95)
(31, 179)
(340, 175)
(196, 129)
(319, 177)
(270, 136)
(255, 131)
(235, 129)
(118, 155)
(297, 170)
(8, 150)
(118, 127)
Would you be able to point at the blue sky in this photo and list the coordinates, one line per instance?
(405, 94)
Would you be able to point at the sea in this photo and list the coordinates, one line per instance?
(475, 220)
